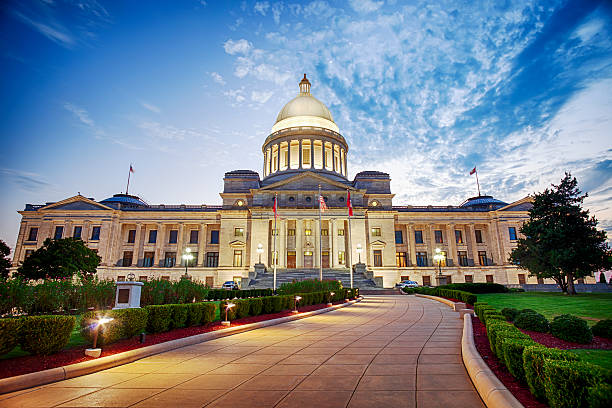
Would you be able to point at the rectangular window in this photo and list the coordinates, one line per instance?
(76, 233)
(340, 232)
(127, 258)
(59, 232)
(341, 257)
(214, 236)
(324, 232)
(489, 278)
(212, 259)
(482, 258)
(120, 278)
(458, 237)
(149, 259)
(131, 236)
(512, 232)
(421, 258)
(469, 279)
(478, 234)
(170, 259)
(377, 257)
(418, 237)
(142, 278)
(291, 232)
(238, 232)
(521, 278)
(376, 232)
(463, 259)
(426, 280)
(238, 258)
(33, 235)
(438, 235)
(399, 237)
(28, 253)
(173, 237)
(308, 232)
(152, 236)
(400, 259)
(95, 233)
(194, 236)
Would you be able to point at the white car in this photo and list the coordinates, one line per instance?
(407, 284)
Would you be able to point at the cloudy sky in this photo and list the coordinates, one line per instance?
(187, 90)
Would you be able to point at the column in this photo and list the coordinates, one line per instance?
(431, 246)
(412, 244)
(117, 243)
(300, 155)
(299, 251)
(201, 244)
(278, 157)
(473, 244)
(179, 245)
(159, 242)
(323, 152)
(282, 248)
(333, 248)
(288, 154)
(317, 241)
(452, 244)
(136, 250)
(312, 154)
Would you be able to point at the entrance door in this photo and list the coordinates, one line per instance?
(308, 259)
(291, 259)
(325, 259)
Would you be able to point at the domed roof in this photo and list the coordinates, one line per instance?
(125, 200)
(483, 202)
(304, 110)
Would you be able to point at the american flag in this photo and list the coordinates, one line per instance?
(322, 205)
(349, 204)
(131, 169)
(275, 213)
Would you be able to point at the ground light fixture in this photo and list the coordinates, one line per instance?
(94, 351)
(331, 296)
(226, 322)
(295, 302)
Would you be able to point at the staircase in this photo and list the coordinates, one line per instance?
(265, 280)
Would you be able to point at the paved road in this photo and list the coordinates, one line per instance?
(386, 351)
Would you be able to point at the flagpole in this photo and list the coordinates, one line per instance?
(128, 183)
(350, 245)
(477, 183)
(274, 257)
(320, 240)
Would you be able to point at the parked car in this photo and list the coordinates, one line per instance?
(230, 285)
(407, 284)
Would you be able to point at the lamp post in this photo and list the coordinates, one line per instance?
(331, 296)
(296, 300)
(439, 256)
(226, 322)
(359, 249)
(259, 251)
(94, 351)
(187, 257)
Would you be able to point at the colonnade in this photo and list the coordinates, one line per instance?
(305, 154)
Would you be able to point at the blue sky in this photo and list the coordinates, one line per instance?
(187, 90)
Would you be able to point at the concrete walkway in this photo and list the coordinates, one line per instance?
(386, 351)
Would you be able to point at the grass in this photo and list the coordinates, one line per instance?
(600, 357)
(592, 306)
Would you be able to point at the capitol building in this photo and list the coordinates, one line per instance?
(304, 152)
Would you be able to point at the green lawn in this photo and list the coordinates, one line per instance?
(595, 306)
(599, 357)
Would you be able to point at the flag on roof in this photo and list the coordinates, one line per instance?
(349, 204)
(322, 205)
(473, 171)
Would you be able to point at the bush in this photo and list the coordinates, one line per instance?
(277, 304)
(44, 335)
(242, 307)
(160, 318)
(256, 307)
(133, 321)
(566, 382)
(490, 313)
(509, 313)
(309, 285)
(208, 312)
(194, 314)
(493, 329)
(495, 318)
(503, 334)
(476, 287)
(603, 328)
(533, 364)
(9, 334)
(530, 320)
(480, 306)
(179, 315)
(571, 328)
(512, 354)
(126, 323)
(161, 292)
(600, 396)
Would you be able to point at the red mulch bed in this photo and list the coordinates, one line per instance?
(549, 340)
(29, 364)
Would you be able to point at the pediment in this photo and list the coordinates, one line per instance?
(308, 181)
(378, 243)
(76, 203)
(524, 204)
(237, 244)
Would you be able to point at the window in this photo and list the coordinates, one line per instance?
(306, 154)
(131, 236)
(28, 253)
(458, 237)
(478, 234)
(400, 259)
(238, 232)
(469, 279)
(399, 237)
(377, 257)
(340, 232)
(212, 259)
(341, 257)
(173, 237)
(59, 231)
(521, 278)
(95, 233)
(324, 232)
(376, 232)
(512, 232)
(426, 280)
(170, 259)
(489, 278)
(418, 237)
(76, 233)
(238, 258)
(214, 236)
(194, 236)
(152, 236)
(308, 232)
(127, 258)
(438, 235)
(120, 278)
(33, 234)
(421, 258)
(291, 232)
(148, 260)
(463, 259)
(482, 258)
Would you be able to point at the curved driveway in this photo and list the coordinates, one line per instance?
(386, 351)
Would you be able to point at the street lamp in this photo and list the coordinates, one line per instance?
(187, 256)
(359, 251)
(297, 299)
(439, 256)
(260, 251)
(226, 322)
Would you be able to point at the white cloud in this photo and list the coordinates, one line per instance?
(217, 78)
(365, 6)
(236, 96)
(81, 114)
(261, 96)
(261, 7)
(55, 33)
(150, 107)
(241, 46)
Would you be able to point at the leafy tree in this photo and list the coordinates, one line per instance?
(561, 239)
(60, 258)
(5, 262)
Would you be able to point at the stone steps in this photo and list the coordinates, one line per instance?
(266, 280)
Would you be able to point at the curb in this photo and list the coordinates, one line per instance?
(51, 375)
(439, 299)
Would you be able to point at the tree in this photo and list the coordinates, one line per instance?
(5, 262)
(60, 258)
(561, 239)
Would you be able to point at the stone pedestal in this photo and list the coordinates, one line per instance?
(259, 268)
(360, 268)
(459, 306)
(128, 295)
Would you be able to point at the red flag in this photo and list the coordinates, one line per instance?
(275, 214)
(473, 171)
(131, 169)
(349, 204)
(322, 205)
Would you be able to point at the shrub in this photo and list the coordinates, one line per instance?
(44, 335)
(480, 311)
(533, 364)
(600, 396)
(268, 306)
(309, 285)
(495, 318)
(179, 315)
(512, 354)
(133, 321)
(126, 323)
(9, 334)
(160, 318)
(256, 307)
(480, 306)
(566, 383)
(603, 328)
(231, 312)
(208, 312)
(492, 332)
(571, 328)
(503, 334)
(509, 313)
(476, 287)
(242, 307)
(490, 313)
(529, 320)
(277, 304)
(194, 314)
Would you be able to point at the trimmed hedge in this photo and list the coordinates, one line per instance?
(603, 328)
(466, 297)
(476, 287)
(530, 320)
(487, 313)
(44, 335)
(512, 354)
(223, 294)
(178, 318)
(510, 313)
(571, 328)
(600, 396)
(160, 318)
(126, 323)
(567, 382)
(9, 334)
(534, 358)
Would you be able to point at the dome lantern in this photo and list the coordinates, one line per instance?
(304, 86)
